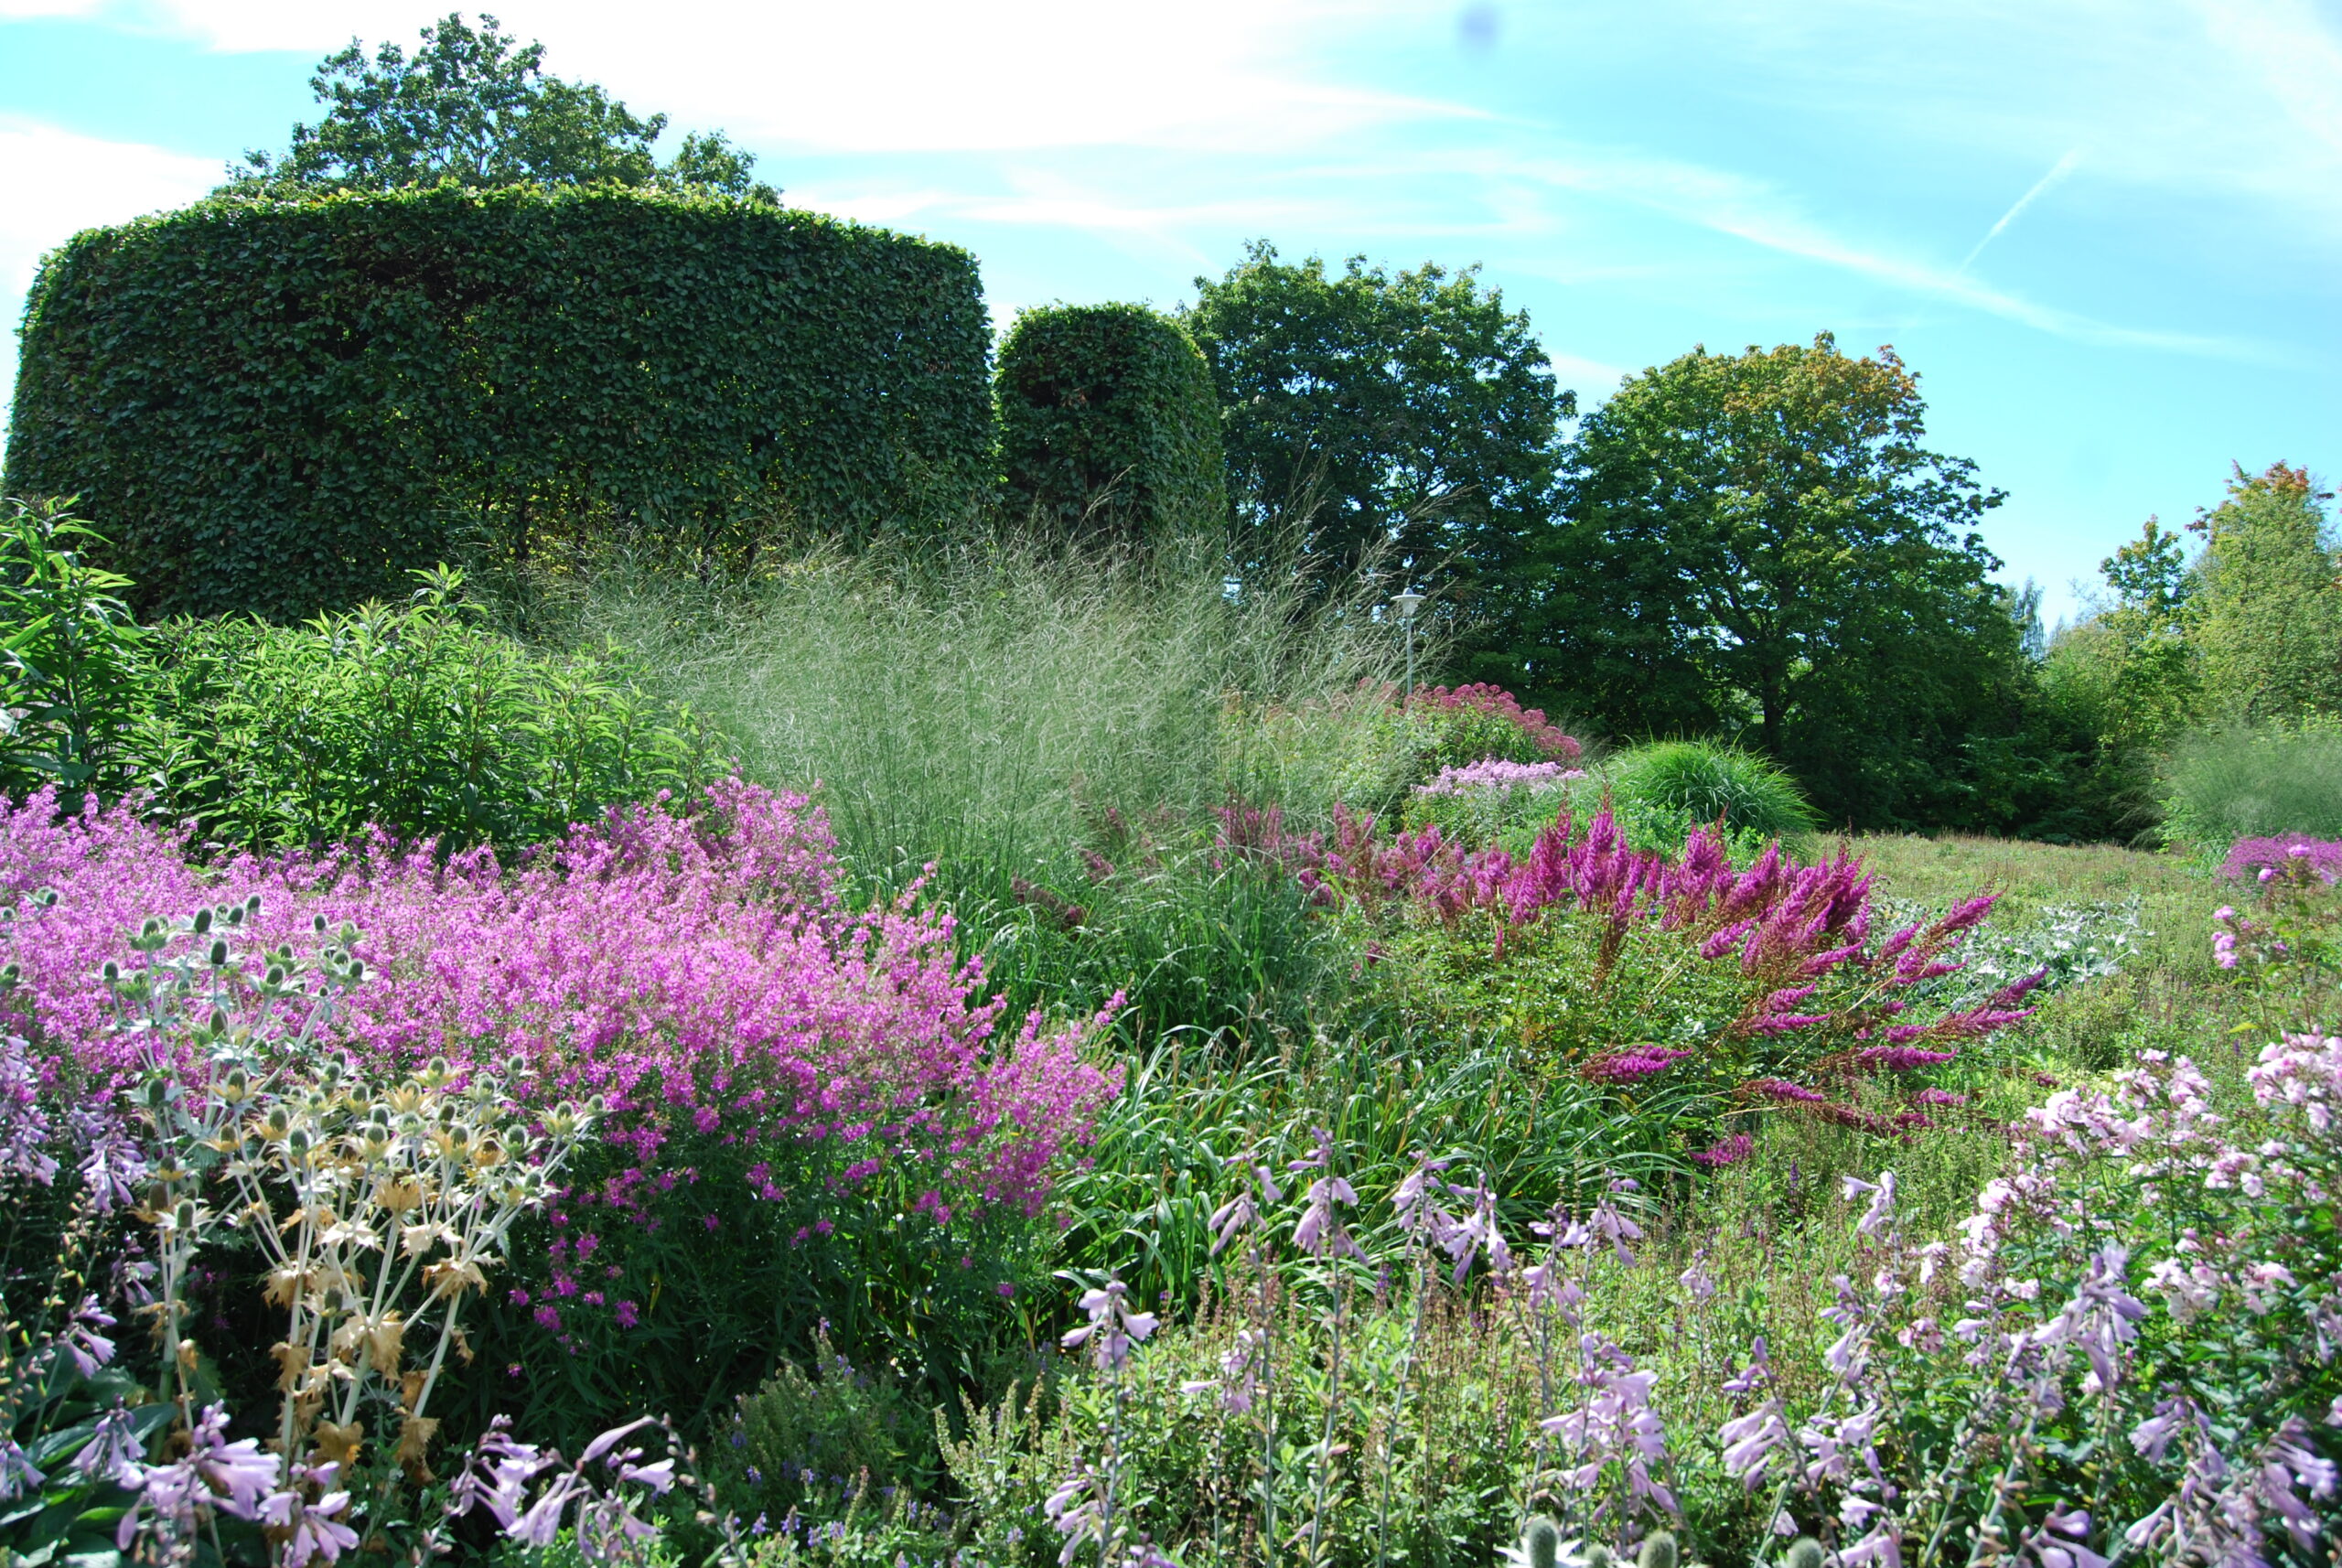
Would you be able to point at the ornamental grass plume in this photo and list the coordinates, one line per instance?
(697, 971)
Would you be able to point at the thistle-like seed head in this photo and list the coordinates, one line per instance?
(1658, 1551)
(1804, 1552)
(1540, 1544)
(219, 953)
(202, 922)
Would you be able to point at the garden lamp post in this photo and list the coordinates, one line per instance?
(1408, 603)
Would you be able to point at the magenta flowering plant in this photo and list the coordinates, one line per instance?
(811, 1109)
(698, 972)
(2290, 928)
(1738, 989)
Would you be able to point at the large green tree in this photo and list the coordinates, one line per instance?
(470, 108)
(2269, 620)
(1761, 545)
(2130, 667)
(1409, 418)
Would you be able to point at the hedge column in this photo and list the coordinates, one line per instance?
(283, 406)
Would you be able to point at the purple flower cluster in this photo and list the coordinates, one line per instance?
(2264, 859)
(699, 972)
(1497, 702)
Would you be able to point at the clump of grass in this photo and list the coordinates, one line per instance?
(987, 709)
(2227, 784)
(1667, 787)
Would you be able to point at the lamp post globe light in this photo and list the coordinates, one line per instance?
(1408, 603)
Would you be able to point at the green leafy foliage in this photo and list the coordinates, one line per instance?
(1758, 544)
(414, 718)
(1408, 416)
(70, 654)
(1109, 426)
(282, 407)
(471, 109)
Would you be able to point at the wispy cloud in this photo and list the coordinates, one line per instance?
(1759, 213)
(2057, 175)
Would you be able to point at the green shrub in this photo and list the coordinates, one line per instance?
(415, 718)
(2227, 784)
(1662, 790)
(69, 656)
(839, 1423)
(1109, 426)
(282, 407)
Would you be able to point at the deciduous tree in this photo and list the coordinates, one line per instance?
(1760, 545)
(2271, 615)
(1409, 417)
(471, 109)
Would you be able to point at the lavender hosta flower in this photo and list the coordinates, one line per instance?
(1078, 1510)
(1615, 1426)
(113, 1452)
(313, 1530)
(1240, 1213)
(112, 1171)
(2289, 1463)
(1415, 1204)
(1113, 1328)
(1879, 1218)
(1320, 1234)
(18, 1478)
(82, 1342)
(24, 1124)
(497, 1478)
(213, 1473)
(1477, 1233)
(2062, 1540)
(1608, 1223)
(1753, 1442)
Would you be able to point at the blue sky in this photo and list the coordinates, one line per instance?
(2107, 232)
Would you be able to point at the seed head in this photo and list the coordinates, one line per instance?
(1804, 1552)
(1540, 1544)
(1658, 1551)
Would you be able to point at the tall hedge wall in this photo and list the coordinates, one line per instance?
(1108, 423)
(282, 406)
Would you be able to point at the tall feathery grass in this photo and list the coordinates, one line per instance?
(993, 710)
(2223, 785)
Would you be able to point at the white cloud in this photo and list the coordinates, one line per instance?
(54, 184)
(913, 75)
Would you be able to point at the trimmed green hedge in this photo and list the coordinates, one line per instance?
(1108, 423)
(282, 407)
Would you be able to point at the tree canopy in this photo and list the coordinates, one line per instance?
(470, 109)
(2270, 613)
(1406, 416)
(1758, 544)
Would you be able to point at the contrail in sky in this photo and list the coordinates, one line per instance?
(2057, 172)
